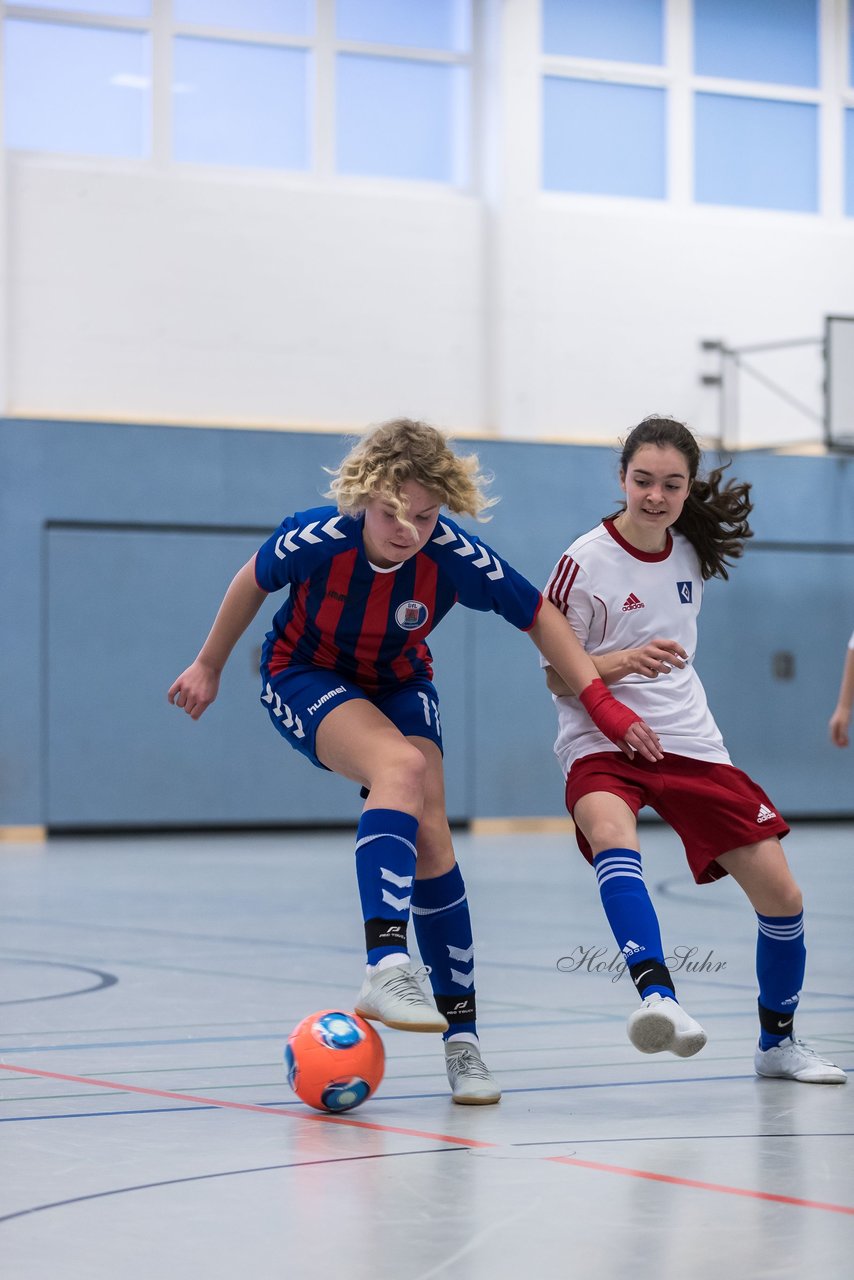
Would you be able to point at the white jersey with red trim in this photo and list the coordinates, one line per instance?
(617, 597)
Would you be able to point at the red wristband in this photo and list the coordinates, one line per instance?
(611, 717)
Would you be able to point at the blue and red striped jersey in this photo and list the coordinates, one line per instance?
(370, 624)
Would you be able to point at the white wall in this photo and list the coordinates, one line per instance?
(156, 296)
(161, 293)
(624, 299)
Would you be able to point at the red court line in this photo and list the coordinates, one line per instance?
(702, 1186)
(245, 1106)
(222, 1104)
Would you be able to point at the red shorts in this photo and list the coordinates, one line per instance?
(712, 807)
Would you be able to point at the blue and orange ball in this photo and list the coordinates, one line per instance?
(334, 1060)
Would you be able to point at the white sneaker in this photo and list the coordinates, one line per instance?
(661, 1023)
(392, 996)
(794, 1060)
(471, 1082)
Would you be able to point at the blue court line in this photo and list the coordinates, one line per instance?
(569, 1020)
(14, 955)
(398, 1097)
(195, 970)
(281, 1036)
(183, 936)
(139, 1111)
(143, 1044)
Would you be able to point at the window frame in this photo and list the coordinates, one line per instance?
(323, 46)
(832, 96)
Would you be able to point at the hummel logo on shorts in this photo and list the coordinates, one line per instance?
(765, 813)
(632, 602)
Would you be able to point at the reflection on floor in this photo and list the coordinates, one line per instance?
(147, 1128)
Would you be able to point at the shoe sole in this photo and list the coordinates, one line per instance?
(689, 1045)
(435, 1026)
(477, 1102)
(655, 1033)
(768, 1075)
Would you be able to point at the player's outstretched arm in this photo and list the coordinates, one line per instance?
(196, 688)
(841, 718)
(558, 643)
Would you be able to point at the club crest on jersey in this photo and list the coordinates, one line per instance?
(411, 615)
(686, 592)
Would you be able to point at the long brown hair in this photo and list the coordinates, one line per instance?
(714, 517)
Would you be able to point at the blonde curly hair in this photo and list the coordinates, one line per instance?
(402, 450)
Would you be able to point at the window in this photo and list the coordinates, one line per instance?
(369, 88)
(769, 41)
(604, 127)
(75, 89)
(102, 8)
(282, 17)
(240, 104)
(604, 138)
(430, 24)
(731, 99)
(612, 30)
(756, 152)
(401, 119)
(752, 150)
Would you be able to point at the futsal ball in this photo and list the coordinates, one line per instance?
(334, 1060)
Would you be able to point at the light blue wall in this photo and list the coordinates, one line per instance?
(117, 542)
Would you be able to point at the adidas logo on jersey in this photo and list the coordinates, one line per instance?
(632, 602)
(765, 814)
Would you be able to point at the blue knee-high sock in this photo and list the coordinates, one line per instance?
(385, 870)
(440, 914)
(781, 959)
(633, 921)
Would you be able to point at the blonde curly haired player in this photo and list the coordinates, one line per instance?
(347, 680)
(403, 450)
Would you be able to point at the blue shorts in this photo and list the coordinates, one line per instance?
(298, 698)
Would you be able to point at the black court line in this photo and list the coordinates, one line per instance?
(104, 980)
(225, 1173)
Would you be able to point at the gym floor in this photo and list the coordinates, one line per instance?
(149, 985)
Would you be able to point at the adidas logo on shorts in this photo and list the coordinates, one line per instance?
(765, 813)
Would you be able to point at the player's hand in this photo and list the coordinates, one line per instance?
(195, 689)
(839, 723)
(639, 737)
(619, 723)
(658, 657)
